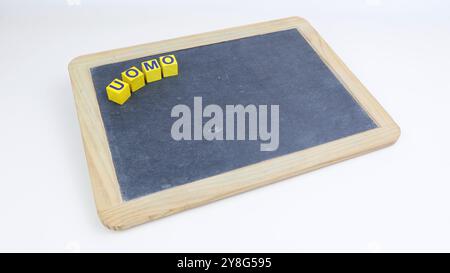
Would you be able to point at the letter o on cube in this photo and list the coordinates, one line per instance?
(134, 77)
(118, 91)
(169, 65)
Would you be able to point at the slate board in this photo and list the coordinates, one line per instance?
(278, 68)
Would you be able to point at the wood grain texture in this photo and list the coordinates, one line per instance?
(117, 214)
(100, 164)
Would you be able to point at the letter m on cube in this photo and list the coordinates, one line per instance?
(152, 70)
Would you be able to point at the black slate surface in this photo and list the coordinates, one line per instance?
(276, 68)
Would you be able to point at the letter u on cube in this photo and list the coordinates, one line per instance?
(118, 91)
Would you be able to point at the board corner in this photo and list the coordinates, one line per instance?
(109, 221)
(298, 20)
(394, 131)
(76, 63)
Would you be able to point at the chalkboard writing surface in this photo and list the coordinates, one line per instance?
(278, 68)
(323, 109)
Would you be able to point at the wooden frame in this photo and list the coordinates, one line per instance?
(117, 214)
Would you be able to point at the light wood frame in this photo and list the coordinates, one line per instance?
(117, 214)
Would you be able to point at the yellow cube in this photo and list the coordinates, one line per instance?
(134, 77)
(169, 65)
(152, 70)
(118, 91)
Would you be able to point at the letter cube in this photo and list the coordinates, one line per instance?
(134, 77)
(152, 70)
(169, 65)
(118, 91)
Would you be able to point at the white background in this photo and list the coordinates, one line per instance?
(395, 199)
